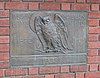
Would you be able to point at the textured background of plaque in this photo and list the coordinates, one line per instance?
(29, 46)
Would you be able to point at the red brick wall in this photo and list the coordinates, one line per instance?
(91, 70)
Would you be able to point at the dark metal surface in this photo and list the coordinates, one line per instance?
(40, 35)
(48, 60)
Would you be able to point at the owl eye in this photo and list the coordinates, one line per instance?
(47, 20)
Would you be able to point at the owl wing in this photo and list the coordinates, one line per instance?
(35, 25)
(63, 32)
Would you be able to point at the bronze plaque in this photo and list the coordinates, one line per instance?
(45, 38)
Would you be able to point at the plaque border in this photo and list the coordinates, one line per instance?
(11, 56)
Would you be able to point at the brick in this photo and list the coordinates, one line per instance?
(92, 52)
(50, 6)
(50, 0)
(99, 52)
(94, 15)
(49, 76)
(49, 70)
(4, 13)
(34, 76)
(4, 57)
(81, 7)
(15, 0)
(93, 1)
(70, 75)
(33, 70)
(92, 75)
(4, 47)
(94, 45)
(1, 73)
(16, 72)
(99, 38)
(93, 37)
(94, 30)
(33, 6)
(4, 22)
(1, 5)
(4, 51)
(95, 7)
(79, 75)
(4, 39)
(88, 67)
(64, 69)
(80, 68)
(94, 59)
(28, 76)
(4, 65)
(93, 67)
(99, 67)
(91, 59)
(65, 0)
(65, 6)
(93, 22)
(33, 0)
(81, 1)
(4, 31)
(16, 5)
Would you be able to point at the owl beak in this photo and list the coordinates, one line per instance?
(41, 20)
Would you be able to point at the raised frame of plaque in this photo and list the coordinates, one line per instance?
(48, 38)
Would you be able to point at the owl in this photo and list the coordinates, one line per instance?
(52, 33)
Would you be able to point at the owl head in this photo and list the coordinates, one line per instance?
(56, 19)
